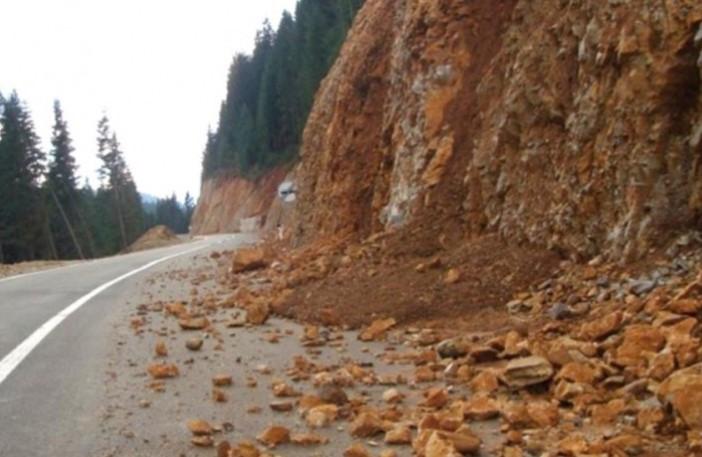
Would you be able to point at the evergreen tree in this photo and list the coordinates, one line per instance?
(118, 192)
(270, 93)
(24, 233)
(68, 228)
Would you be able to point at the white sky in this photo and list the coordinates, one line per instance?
(158, 68)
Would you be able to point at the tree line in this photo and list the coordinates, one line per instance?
(44, 212)
(270, 92)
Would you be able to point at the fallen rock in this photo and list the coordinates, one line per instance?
(194, 344)
(161, 350)
(308, 439)
(400, 434)
(330, 393)
(193, 323)
(222, 380)
(248, 259)
(357, 450)
(202, 441)
(393, 396)
(200, 427)
(602, 328)
(322, 415)
(274, 435)
(257, 313)
(683, 390)
(452, 348)
(481, 408)
(527, 371)
(163, 370)
(435, 397)
(281, 406)
(377, 329)
(367, 424)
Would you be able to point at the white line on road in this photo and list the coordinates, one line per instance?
(14, 358)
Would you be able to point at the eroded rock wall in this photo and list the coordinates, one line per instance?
(226, 201)
(575, 125)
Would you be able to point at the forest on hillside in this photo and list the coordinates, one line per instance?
(270, 92)
(45, 213)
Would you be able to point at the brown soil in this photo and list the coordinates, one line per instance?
(355, 284)
(156, 237)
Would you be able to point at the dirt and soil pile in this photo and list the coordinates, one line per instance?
(156, 237)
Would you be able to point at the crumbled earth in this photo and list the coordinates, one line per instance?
(156, 237)
(595, 359)
(7, 270)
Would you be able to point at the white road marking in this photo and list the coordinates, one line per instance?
(14, 358)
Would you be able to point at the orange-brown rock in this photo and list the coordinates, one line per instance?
(367, 424)
(247, 259)
(274, 435)
(357, 450)
(308, 439)
(603, 327)
(322, 415)
(377, 329)
(163, 370)
(200, 427)
(527, 371)
(639, 339)
(399, 434)
(193, 323)
(160, 349)
(683, 390)
(481, 408)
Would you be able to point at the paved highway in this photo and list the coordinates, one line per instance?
(53, 342)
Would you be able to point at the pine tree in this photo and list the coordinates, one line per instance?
(24, 231)
(270, 93)
(67, 225)
(118, 191)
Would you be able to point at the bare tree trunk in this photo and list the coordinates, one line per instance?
(121, 220)
(68, 226)
(50, 237)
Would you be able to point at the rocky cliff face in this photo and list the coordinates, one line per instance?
(574, 125)
(227, 201)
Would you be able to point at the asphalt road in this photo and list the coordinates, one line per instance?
(50, 403)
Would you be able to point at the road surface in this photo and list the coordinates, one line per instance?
(50, 388)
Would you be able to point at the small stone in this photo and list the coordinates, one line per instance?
(330, 393)
(377, 329)
(222, 380)
(202, 441)
(399, 434)
(308, 439)
(356, 450)
(367, 424)
(219, 396)
(481, 408)
(194, 344)
(683, 390)
(161, 350)
(281, 406)
(435, 397)
(486, 381)
(393, 396)
(193, 323)
(199, 427)
(163, 370)
(274, 435)
(452, 348)
(248, 259)
(602, 328)
(322, 415)
(452, 276)
(527, 371)
(559, 311)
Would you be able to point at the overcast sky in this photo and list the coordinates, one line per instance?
(158, 68)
